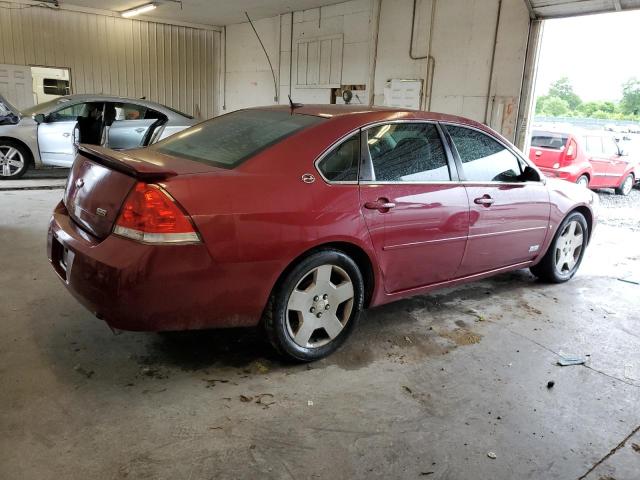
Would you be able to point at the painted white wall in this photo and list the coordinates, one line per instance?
(462, 45)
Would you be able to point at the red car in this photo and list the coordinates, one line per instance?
(301, 217)
(591, 159)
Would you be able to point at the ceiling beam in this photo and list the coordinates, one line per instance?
(532, 13)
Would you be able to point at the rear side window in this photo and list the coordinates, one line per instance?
(593, 145)
(483, 158)
(407, 152)
(228, 140)
(341, 164)
(551, 140)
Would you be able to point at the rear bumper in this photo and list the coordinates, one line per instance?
(562, 174)
(133, 286)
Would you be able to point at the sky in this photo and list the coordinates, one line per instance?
(597, 52)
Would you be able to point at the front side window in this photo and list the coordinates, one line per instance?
(341, 164)
(609, 146)
(407, 152)
(228, 140)
(483, 158)
(73, 112)
(129, 111)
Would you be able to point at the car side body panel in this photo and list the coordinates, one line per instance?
(255, 221)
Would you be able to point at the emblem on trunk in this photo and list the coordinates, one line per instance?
(101, 211)
(79, 183)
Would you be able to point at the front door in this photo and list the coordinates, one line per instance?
(508, 217)
(417, 216)
(56, 135)
(600, 161)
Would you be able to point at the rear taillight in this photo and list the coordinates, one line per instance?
(571, 152)
(150, 215)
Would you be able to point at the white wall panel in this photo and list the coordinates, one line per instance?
(173, 65)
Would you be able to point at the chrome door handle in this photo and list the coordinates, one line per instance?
(485, 200)
(66, 134)
(382, 205)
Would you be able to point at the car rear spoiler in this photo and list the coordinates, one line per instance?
(125, 163)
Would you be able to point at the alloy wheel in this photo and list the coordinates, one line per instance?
(319, 306)
(583, 181)
(568, 247)
(11, 161)
(627, 185)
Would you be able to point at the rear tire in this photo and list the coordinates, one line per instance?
(564, 256)
(315, 307)
(626, 186)
(583, 181)
(14, 160)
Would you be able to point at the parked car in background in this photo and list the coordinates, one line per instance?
(589, 158)
(299, 218)
(46, 134)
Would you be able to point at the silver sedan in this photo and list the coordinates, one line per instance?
(46, 134)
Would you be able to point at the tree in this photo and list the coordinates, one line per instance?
(630, 103)
(563, 89)
(540, 103)
(555, 107)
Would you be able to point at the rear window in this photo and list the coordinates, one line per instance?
(554, 141)
(228, 140)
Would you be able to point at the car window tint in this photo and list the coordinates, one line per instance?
(594, 145)
(483, 158)
(551, 140)
(69, 113)
(228, 140)
(341, 164)
(407, 152)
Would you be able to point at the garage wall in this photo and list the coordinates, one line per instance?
(462, 46)
(173, 65)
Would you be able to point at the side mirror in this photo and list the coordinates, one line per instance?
(39, 118)
(530, 175)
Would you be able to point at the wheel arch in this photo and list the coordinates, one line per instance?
(21, 143)
(354, 251)
(588, 216)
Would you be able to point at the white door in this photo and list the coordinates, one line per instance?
(16, 85)
(56, 135)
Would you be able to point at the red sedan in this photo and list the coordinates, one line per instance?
(300, 218)
(589, 158)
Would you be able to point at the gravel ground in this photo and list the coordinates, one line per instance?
(620, 211)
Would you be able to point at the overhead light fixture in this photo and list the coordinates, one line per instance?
(132, 12)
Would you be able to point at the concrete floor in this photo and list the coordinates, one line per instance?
(424, 389)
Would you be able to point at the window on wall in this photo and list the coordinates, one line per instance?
(483, 158)
(407, 152)
(341, 164)
(54, 86)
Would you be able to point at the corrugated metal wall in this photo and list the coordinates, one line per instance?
(169, 64)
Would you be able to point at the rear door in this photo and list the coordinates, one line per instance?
(131, 126)
(416, 211)
(508, 217)
(56, 135)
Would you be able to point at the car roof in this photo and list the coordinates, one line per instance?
(85, 97)
(373, 113)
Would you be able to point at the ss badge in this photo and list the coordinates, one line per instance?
(101, 212)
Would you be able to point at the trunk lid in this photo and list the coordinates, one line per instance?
(547, 148)
(99, 183)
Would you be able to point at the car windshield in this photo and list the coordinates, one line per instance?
(228, 140)
(42, 107)
(552, 140)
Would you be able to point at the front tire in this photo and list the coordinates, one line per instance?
(14, 160)
(315, 307)
(563, 258)
(626, 186)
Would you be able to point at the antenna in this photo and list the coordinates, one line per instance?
(294, 105)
